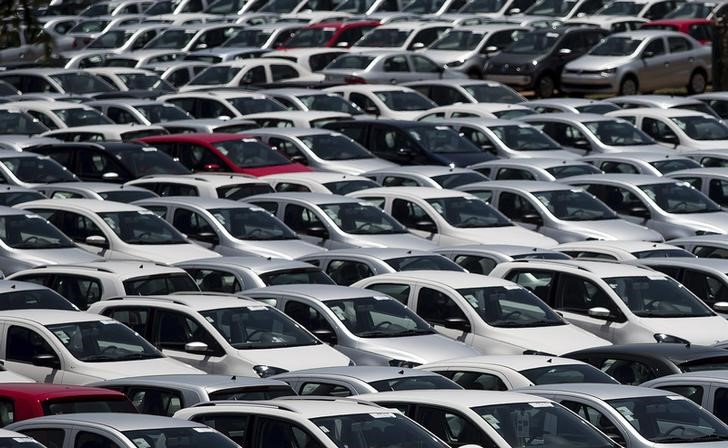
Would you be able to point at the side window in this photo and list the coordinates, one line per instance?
(43, 118)
(410, 214)
(135, 318)
(81, 291)
(7, 412)
(280, 72)
(578, 295)
(438, 308)
(718, 191)
(513, 174)
(707, 287)
(255, 75)
(396, 64)
(61, 194)
(307, 316)
(678, 44)
(279, 433)
(174, 330)
(77, 227)
(596, 418)
(627, 371)
(655, 48)
(475, 264)
(443, 95)
(540, 283)
(324, 389)
(453, 428)
(155, 401)
(397, 291)
(23, 344)
(287, 148)
(720, 409)
(479, 139)
(213, 280)
(475, 380)
(710, 252)
(619, 167)
(193, 225)
(235, 426)
(424, 65)
(515, 206)
(95, 164)
(364, 104)
(346, 272)
(44, 280)
(701, 33)
(618, 199)
(120, 116)
(92, 440)
(291, 186)
(398, 181)
(694, 393)
(50, 438)
(658, 130)
(301, 219)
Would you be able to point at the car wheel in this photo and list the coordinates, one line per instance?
(545, 87)
(628, 86)
(697, 82)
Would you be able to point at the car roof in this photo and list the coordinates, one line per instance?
(718, 264)
(515, 362)
(315, 198)
(98, 187)
(51, 317)
(566, 101)
(298, 114)
(645, 156)
(480, 107)
(453, 279)
(198, 301)
(660, 100)
(210, 381)
(92, 205)
(309, 407)
(677, 353)
(315, 176)
(712, 171)
(49, 105)
(259, 265)
(566, 116)
(601, 269)
(524, 185)
(657, 112)
(383, 253)
(703, 375)
(194, 201)
(412, 192)
(367, 374)
(316, 291)
(628, 245)
(293, 132)
(43, 391)
(423, 170)
(507, 249)
(643, 34)
(118, 421)
(450, 397)
(121, 268)
(601, 391)
(535, 162)
(633, 179)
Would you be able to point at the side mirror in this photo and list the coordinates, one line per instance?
(299, 159)
(50, 361)
(211, 167)
(648, 54)
(426, 226)
(639, 212)
(318, 231)
(513, 11)
(490, 49)
(372, 110)
(599, 312)
(565, 51)
(721, 307)
(457, 323)
(669, 138)
(97, 241)
(327, 336)
(224, 117)
(582, 144)
(200, 46)
(418, 46)
(532, 218)
(110, 176)
(343, 44)
(206, 237)
(196, 347)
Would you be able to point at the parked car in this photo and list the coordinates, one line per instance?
(204, 185)
(59, 114)
(446, 92)
(386, 67)
(329, 34)
(105, 133)
(385, 100)
(28, 169)
(482, 258)
(623, 250)
(244, 72)
(319, 182)
(401, 36)
(504, 111)
(208, 125)
(218, 104)
(296, 119)
(58, 80)
(663, 102)
(130, 79)
(706, 389)
(704, 246)
(717, 101)
(92, 190)
(533, 168)
(139, 111)
(18, 295)
(432, 176)
(314, 58)
(710, 181)
(572, 105)
(650, 163)
(12, 194)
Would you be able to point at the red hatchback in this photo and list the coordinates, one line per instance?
(21, 401)
(235, 153)
(700, 29)
(329, 34)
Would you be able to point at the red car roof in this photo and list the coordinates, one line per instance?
(40, 392)
(195, 138)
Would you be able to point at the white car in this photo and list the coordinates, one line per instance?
(534, 168)
(250, 71)
(118, 231)
(233, 186)
(653, 163)
(492, 315)
(319, 182)
(706, 388)
(102, 191)
(385, 101)
(225, 334)
(125, 79)
(448, 217)
(503, 111)
(222, 103)
(296, 118)
(620, 303)
(72, 347)
(435, 176)
(621, 250)
(59, 114)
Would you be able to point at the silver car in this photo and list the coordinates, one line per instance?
(640, 61)
(535, 168)
(105, 191)
(704, 246)
(445, 92)
(482, 258)
(386, 67)
(663, 102)
(230, 228)
(338, 222)
(311, 99)
(433, 176)
(560, 211)
(369, 327)
(401, 36)
(139, 111)
(673, 208)
(573, 105)
(713, 182)
(652, 163)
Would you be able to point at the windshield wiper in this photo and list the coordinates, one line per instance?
(412, 332)
(375, 334)
(98, 358)
(132, 356)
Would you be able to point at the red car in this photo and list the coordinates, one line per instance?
(235, 153)
(329, 34)
(700, 29)
(21, 401)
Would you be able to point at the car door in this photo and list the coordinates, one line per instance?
(417, 220)
(308, 224)
(196, 227)
(444, 313)
(100, 166)
(682, 59)
(656, 61)
(30, 353)
(396, 69)
(423, 68)
(172, 330)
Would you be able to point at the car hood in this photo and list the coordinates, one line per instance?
(397, 240)
(614, 229)
(461, 159)
(276, 169)
(120, 369)
(555, 154)
(556, 340)
(708, 144)
(596, 63)
(286, 249)
(445, 56)
(70, 255)
(421, 349)
(711, 222)
(514, 58)
(295, 358)
(697, 330)
(515, 235)
(357, 166)
(170, 253)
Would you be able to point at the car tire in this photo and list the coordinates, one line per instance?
(629, 86)
(697, 82)
(545, 86)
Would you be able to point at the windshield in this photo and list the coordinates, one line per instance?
(42, 170)
(308, 276)
(415, 383)
(621, 9)
(248, 38)
(670, 165)
(19, 442)
(618, 133)
(551, 8)
(457, 179)
(329, 103)
(225, 7)
(458, 41)
(570, 373)
(383, 38)
(78, 405)
(171, 39)
(657, 296)
(360, 218)
(16, 197)
(423, 6)
(377, 429)
(80, 83)
(143, 81)
(378, 317)
(81, 117)
(574, 205)
(441, 139)
(111, 39)
(212, 76)
(468, 213)
(255, 105)
(351, 61)
(404, 101)
(345, 187)
(251, 393)
(510, 307)
(89, 26)
(541, 424)
(238, 192)
(616, 46)
(679, 198)
(600, 109)
(335, 147)
(698, 107)
(160, 113)
(670, 419)
(702, 128)
(31, 231)
(484, 93)
(562, 171)
(310, 37)
(423, 263)
(534, 43)
(257, 327)
(34, 299)
(145, 161)
(524, 138)
(142, 227)
(482, 6)
(161, 284)
(663, 253)
(252, 223)
(179, 438)
(19, 123)
(102, 341)
(250, 153)
(691, 10)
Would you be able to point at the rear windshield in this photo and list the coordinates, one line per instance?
(126, 196)
(252, 393)
(713, 363)
(74, 406)
(415, 383)
(572, 373)
(309, 276)
(35, 299)
(160, 284)
(236, 192)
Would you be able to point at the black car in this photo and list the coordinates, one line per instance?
(412, 142)
(535, 61)
(636, 363)
(111, 162)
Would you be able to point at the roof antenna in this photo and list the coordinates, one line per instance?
(401, 372)
(234, 378)
(549, 360)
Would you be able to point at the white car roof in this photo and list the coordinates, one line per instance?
(453, 279)
(50, 317)
(459, 398)
(597, 268)
(657, 112)
(198, 301)
(368, 88)
(629, 246)
(422, 170)
(91, 205)
(412, 192)
(515, 362)
(316, 176)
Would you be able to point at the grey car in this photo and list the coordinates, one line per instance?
(482, 258)
(704, 246)
(181, 391)
(338, 222)
(94, 190)
(234, 274)
(310, 99)
(386, 67)
(651, 163)
(706, 388)
(12, 194)
(446, 92)
(347, 266)
(664, 102)
(536, 168)
(630, 416)
(208, 126)
(434, 176)
(230, 228)
(713, 182)
(640, 61)
(356, 380)
(321, 149)
(673, 208)
(369, 327)
(573, 105)
(139, 111)
(585, 133)
(560, 211)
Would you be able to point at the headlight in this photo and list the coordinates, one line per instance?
(669, 339)
(455, 63)
(403, 363)
(266, 371)
(609, 71)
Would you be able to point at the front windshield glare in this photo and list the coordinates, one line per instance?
(142, 227)
(31, 232)
(679, 198)
(524, 138)
(657, 296)
(102, 341)
(534, 43)
(163, 284)
(458, 41)
(618, 133)
(378, 429)
(670, 419)
(311, 37)
(38, 170)
(329, 103)
(252, 224)
(510, 307)
(257, 327)
(404, 101)
(570, 373)
(574, 205)
(149, 161)
(702, 128)
(81, 117)
(179, 438)
(143, 81)
(468, 213)
(621, 9)
(250, 153)
(362, 219)
(541, 424)
(616, 46)
(441, 139)
(335, 147)
(484, 93)
(378, 317)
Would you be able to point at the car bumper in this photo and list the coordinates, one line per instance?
(589, 83)
(523, 81)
